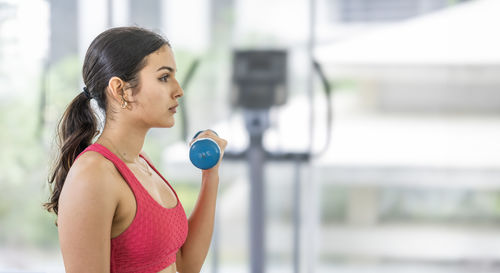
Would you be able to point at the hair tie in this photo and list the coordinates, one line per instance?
(87, 93)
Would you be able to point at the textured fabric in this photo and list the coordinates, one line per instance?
(152, 240)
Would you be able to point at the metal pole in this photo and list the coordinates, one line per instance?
(297, 209)
(110, 14)
(256, 157)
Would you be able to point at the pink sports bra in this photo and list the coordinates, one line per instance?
(152, 240)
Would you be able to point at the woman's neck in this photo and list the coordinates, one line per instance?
(127, 144)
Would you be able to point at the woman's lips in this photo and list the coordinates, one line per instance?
(173, 109)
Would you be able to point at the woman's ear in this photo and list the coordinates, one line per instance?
(116, 88)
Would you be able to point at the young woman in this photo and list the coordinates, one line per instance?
(116, 212)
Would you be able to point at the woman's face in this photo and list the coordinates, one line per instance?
(159, 91)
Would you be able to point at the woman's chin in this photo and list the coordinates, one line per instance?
(169, 124)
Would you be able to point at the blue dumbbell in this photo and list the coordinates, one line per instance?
(204, 152)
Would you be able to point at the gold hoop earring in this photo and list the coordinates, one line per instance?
(124, 102)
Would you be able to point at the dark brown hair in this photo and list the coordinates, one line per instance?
(117, 52)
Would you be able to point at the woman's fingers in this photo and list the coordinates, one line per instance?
(212, 135)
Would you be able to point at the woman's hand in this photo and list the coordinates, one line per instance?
(220, 141)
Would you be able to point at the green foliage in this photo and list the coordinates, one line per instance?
(63, 81)
(24, 158)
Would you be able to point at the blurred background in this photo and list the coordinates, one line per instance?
(380, 153)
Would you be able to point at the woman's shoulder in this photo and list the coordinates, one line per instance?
(92, 171)
(88, 198)
(91, 164)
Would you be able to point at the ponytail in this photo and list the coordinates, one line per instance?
(76, 129)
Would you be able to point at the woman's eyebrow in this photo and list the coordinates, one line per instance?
(166, 67)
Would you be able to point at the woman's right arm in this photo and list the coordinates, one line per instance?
(86, 208)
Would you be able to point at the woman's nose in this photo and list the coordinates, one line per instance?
(179, 91)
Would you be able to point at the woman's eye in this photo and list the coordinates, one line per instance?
(164, 78)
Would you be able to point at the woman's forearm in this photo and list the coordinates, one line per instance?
(201, 224)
